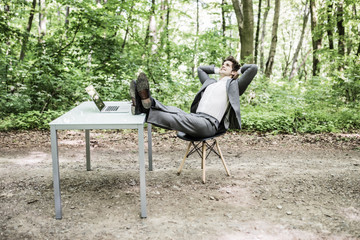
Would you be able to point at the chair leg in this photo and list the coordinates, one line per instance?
(183, 161)
(203, 160)
(222, 158)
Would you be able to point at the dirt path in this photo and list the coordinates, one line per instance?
(282, 187)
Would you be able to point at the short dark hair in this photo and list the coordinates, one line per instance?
(235, 64)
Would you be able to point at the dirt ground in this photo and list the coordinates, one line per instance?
(281, 187)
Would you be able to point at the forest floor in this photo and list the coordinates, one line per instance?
(281, 187)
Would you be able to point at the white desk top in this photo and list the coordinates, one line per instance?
(87, 116)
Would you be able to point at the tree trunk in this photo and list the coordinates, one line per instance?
(151, 31)
(263, 32)
(358, 50)
(164, 24)
(349, 40)
(245, 18)
(316, 37)
(303, 63)
(239, 17)
(287, 58)
(296, 54)
(330, 25)
(257, 32)
(127, 27)
(6, 67)
(164, 35)
(58, 14)
(247, 40)
(42, 18)
(27, 33)
(67, 12)
(194, 57)
(270, 61)
(341, 28)
(223, 22)
(167, 31)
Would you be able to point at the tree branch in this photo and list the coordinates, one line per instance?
(67, 45)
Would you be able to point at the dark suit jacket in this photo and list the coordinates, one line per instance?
(234, 88)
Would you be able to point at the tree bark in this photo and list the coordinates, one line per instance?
(341, 28)
(167, 31)
(358, 50)
(164, 24)
(67, 12)
(223, 22)
(316, 37)
(330, 25)
(263, 32)
(194, 57)
(151, 31)
(6, 67)
(270, 61)
(247, 40)
(42, 18)
(239, 16)
(127, 27)
(257, 33)
(287, 58)
(303, 62)
(349, 40)
(296, 54)
(27, 33)
(245, 18)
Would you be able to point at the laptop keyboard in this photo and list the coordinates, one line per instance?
(111, 108)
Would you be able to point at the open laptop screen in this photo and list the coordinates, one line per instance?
(95, 97)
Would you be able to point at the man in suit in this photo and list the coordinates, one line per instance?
(216, 107)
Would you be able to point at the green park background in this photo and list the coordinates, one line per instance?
(307, 51)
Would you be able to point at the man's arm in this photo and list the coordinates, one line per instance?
(204, 71)
(248, 73)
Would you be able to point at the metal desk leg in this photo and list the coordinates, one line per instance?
(142, 171)
(149, 147)
(87, 140)
(56, 172)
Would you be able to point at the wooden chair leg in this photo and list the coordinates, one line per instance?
(203, 160)
(183, 161)
(222, 158)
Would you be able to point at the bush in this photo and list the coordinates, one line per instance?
(29, 120)
(300, 120)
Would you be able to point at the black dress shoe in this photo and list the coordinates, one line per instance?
(142, 86)
(135, 106)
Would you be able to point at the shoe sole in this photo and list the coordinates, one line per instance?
(133, 97)
(143, 85)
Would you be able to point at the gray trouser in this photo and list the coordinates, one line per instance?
(194, 124)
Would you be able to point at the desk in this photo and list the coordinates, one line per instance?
(86, 117)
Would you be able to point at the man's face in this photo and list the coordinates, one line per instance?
(226, 69)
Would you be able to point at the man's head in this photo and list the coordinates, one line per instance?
(235, 64)
(229, 67)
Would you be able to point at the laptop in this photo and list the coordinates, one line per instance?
(117, 108)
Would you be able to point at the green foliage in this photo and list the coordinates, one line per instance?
(29, 120)
(298, 109)
(346, 82)
(300, 120)
(107, 44)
